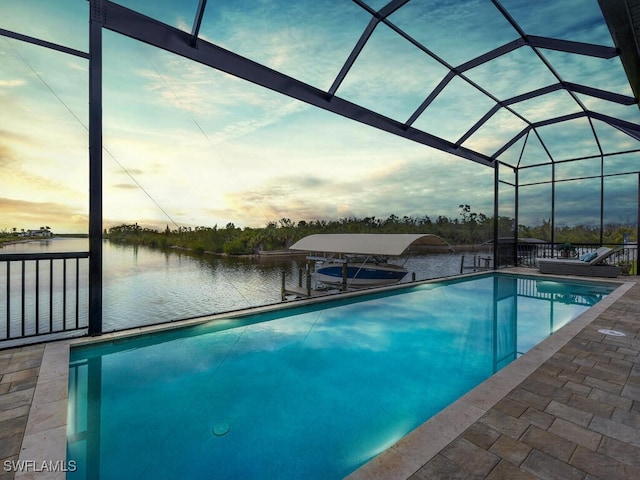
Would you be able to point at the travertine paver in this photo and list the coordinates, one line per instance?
(19, 369)
(576, 417)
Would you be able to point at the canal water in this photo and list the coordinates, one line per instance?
(143, 286)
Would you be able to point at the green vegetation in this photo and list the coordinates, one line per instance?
(470, 228)
(612, 234)
(5, 238)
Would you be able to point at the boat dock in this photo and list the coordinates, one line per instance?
(480, 263)
(304, 291)
(355, 260)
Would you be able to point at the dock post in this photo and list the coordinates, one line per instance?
(282, 289)
(462, 265)
(344, 276)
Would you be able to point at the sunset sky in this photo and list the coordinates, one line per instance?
(186, 145)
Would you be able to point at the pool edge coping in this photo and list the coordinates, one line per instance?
(45, 437)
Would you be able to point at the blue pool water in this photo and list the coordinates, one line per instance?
(305, 392)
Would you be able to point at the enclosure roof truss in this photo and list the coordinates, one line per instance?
(135, 25)
(622, 19)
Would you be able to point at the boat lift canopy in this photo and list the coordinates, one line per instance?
(386, 244)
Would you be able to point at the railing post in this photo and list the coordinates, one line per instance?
(37, 297)
(25, 286)
(51, 294)
(22, 298)
(8, 299)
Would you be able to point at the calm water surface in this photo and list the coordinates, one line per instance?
(143, 286)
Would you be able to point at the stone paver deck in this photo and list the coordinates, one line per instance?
(576, 417)
(19, 370)
(573, 415)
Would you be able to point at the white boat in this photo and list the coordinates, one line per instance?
(366, 271)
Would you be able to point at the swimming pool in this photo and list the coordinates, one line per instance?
(305, 392)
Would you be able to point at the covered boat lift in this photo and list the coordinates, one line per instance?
(337, 247)
(387, 244)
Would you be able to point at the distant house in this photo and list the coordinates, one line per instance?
(41, 232)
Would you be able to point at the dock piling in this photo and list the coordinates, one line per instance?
(344, 276)
(282, 287)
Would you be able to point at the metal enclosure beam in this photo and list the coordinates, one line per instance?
(96, 19)
(432, 96)
(624, 29)
(496, 213)
(43, 43)
(139, 27)
(568, 46)
(195, 30)
(364, 38)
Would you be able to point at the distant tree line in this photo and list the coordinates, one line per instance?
(470, 228)
(613, 233)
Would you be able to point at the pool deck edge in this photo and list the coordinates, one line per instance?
(44, 445)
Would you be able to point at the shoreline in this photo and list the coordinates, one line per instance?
(15, 242)
(12, 241)
(259, 254)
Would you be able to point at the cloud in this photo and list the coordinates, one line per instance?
(31, 165)
(16, 213)
(512, 74)
(8, 156)
(391, 76)
(11, 83)
(575, 20)
(125, 186)
(495, 133)
(551, 105)
(399, 188)
(461, 104)
(441, 26)
(307, 40)
(217, 106)
(572, 139)
(605, 74)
